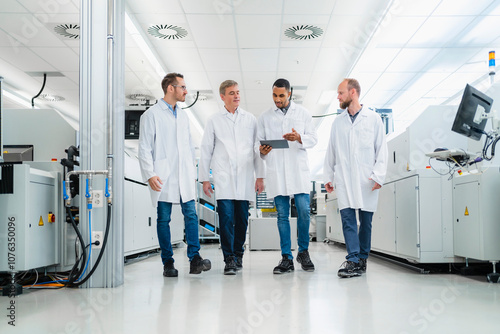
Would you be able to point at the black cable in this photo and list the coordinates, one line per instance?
(41, 90)
(192, 104)
(82, 244)
(101, 253)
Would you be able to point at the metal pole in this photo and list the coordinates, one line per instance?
(1, 124)
(110, 46)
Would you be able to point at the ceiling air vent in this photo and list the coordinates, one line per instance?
(140, 97)
(51, 98)
(303, 32)
(70, 31)
(167, 31)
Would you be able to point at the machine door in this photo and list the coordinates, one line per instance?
(407, 218)
(383, 224)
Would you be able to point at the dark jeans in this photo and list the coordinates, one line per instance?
(164, 211)
(233, 220)
(357, 244)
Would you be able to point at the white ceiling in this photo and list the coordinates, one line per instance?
(406, 54)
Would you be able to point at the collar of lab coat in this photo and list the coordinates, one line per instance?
(164, 106)
(239, 111)
(290, 108)
(361, 115)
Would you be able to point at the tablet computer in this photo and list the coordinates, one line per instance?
(279, 143)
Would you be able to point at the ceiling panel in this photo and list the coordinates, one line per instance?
(451, 59)
(397, 31)
(297, 59)
(22, 28)
(49, 8)
(24, 59)
(73, 76)
(218, 7)
(412, 59)
(333, 60)
(217, 77)
(260, 7)
(393, 81)
(482, 34)
(414, 8)
(369, 9)
(147, 20)
(62, 59)
(257, 108)
(297, 79)
(158, 7)
(255, 32)
(260, 60)
(137, 61)
(55, 84)
(377, 98)
(12, 6)
(220, 59)
(212, 32)
(259, 80)
(383, 56)
(439, 31)
(312, 7)
(181, 59)
(457, 81)
(196, 80)
(462, 7)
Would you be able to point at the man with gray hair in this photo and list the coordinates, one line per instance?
(228, 148)
(356, 161)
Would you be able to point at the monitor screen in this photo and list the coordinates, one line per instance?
(468, 120)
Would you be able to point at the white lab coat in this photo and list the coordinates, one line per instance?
(356, 152)
(228, 148)
(165, 150)
(287, 170)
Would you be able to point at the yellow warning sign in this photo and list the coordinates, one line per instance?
(466, 212)
(40, 223)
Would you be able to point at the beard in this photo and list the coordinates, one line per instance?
(345, 104)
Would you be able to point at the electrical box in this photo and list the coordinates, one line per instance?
(29, 219)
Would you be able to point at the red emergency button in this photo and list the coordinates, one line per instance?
(52, 218)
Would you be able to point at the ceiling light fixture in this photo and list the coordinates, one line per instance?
(167, 31)
(140, 97)
(51, 98)
(71, 31)
(303, 32)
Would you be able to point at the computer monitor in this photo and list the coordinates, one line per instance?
(468, 121)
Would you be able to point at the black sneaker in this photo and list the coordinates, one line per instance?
(239, 262)
(350, 269)
(207, 265)
(230, 268)
(362, 265)
(305, 261)
(169, 269)
(285, 266)
(198, 265)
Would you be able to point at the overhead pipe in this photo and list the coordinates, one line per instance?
(109, 117)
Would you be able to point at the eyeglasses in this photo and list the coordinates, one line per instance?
(182, 87)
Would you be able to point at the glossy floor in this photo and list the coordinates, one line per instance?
(388, 299)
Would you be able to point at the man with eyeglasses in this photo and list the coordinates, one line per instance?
(167, 161)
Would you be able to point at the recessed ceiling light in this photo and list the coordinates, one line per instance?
(71, 31)
(140, 97)
(167, 31)
(51, 98)
(303, 32)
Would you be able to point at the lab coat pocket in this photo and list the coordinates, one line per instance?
(298, 125)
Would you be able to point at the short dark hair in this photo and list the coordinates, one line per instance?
(170, 79)
(353, 83)
(282, 83)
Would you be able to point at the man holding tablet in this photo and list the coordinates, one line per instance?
(287, 170)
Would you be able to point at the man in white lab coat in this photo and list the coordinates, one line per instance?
(287, 170)
(167, 161)
(228, 148)
(356, 162)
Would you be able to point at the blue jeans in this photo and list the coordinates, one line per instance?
(357, 244)
(233, 220)
(164, 211)
(283, 207)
